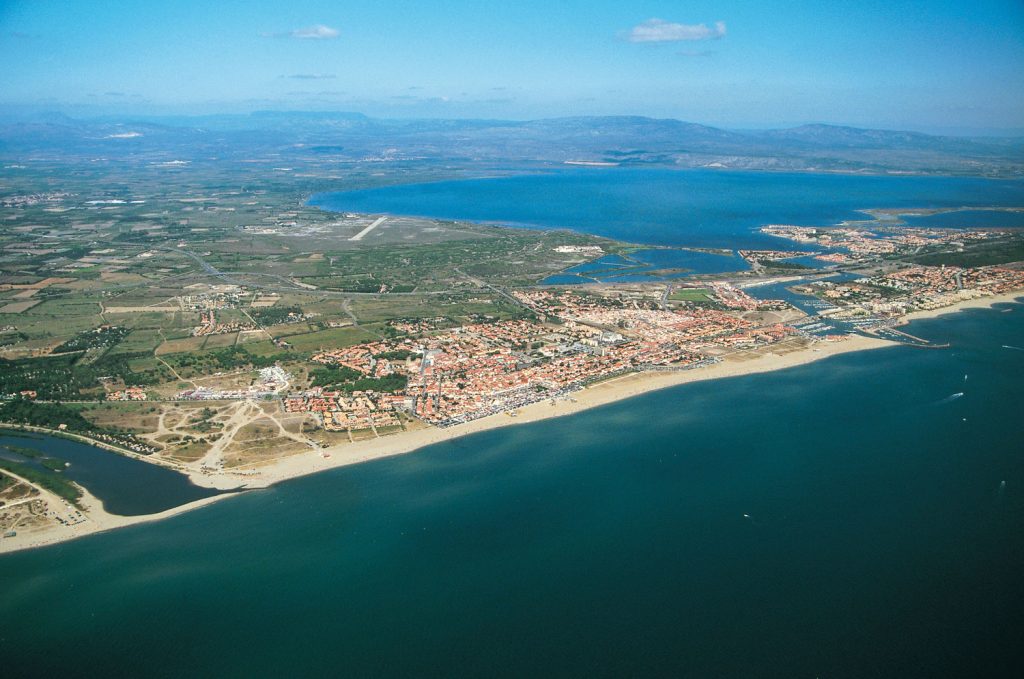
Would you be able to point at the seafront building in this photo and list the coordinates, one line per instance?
(444, 375)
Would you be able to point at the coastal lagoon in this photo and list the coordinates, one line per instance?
(125, 486)
(859, 516)
(975, 219)
(697, 208)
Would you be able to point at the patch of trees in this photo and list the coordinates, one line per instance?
(49, 415)
(63, 377)
(10, 338)
(388, 383)
(46, 478)
(201, 421)
(345, 379)
(229, 359)
(90, 339)
(396, 355)
(275, 315)
(328, 376)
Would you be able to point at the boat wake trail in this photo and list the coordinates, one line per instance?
(951, 398)
(1001, 491)
(1007, 346)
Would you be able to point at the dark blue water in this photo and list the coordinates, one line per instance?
(879, 541)
(126, 486)
(969, 219)
(641, 265)
(805, 303)
(696, 262)
(702, 208)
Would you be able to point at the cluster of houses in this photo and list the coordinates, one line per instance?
(349, 412)
(27, 394)
(915, 288)
(866, 243)
(127, 394)
(208, 325)
(476, 370)
(758, 256)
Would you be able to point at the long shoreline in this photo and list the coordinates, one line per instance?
(98, 520)
(602, 393)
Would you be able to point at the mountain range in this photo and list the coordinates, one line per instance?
(624, 140)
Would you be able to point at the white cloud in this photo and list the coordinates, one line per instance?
(317, 32)
(311, 76)
(658, 30)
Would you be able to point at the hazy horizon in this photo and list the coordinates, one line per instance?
(952, 69)
(29, 114)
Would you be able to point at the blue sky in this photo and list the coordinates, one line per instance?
(933, 66)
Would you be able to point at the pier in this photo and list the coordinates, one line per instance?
(895, 335)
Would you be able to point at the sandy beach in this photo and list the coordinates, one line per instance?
(97, 520)
(979, 303)
(610, 391)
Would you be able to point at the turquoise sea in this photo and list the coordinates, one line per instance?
(857, 517)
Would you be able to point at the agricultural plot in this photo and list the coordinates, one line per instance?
(690, 295)
(332, 338)
(138, 341)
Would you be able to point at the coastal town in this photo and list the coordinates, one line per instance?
(441, 375)
(845, 244)
(244, 376)
(918, 288)
(511, 339)
(450, 376)
(456, 375)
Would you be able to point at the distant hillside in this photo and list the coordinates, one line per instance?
(627, 140)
